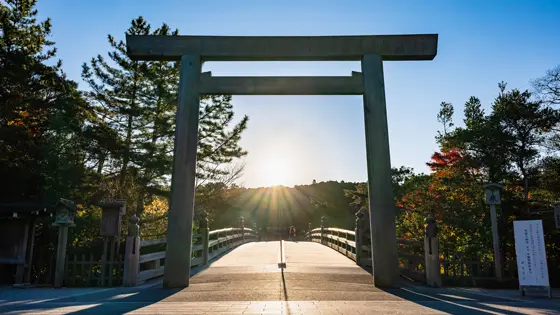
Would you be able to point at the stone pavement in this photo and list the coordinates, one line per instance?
(317, 280)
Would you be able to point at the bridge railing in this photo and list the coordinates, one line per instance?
(145, 260)
(418, 261)
(411, 256)
(341, 240)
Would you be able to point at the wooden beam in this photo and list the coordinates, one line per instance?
(22, 253)
(282, 48)
(349, 85)
(31, 247)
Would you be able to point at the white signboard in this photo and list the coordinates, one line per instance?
(531, 253)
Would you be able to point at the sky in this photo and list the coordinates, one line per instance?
(293, 140)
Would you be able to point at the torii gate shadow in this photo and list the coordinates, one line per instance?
(117, 300)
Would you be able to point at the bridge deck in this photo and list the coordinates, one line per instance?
(317, 280)
(314, 272)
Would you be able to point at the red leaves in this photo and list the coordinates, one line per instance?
(445, 159)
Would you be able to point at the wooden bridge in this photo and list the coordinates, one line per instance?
(247, 280)
(144, 259)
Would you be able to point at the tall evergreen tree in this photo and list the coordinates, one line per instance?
(118, 90)
(525, 124)
(135, 104)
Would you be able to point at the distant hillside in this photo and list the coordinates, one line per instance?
(296, 206)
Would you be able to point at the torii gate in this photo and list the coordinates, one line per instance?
(192, 51)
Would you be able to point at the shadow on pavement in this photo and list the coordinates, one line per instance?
(113, 301)
(454, 302)
(116, 300)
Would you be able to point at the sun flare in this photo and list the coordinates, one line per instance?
(276, 172)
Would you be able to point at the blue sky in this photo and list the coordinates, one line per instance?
(295, 139)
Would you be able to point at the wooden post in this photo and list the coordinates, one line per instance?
(64, 218)
(431, 254)
(242, 227)
(358, 236)
(382, 209)
(323, 227)
(90, 269)
(132, 253)
(309, 236)
(74, 269)
(20, 269)
(30, 258)
(205, 237)
(104, 260)
(112, 248)
(181, 211)
(492, 193)
(60, 256)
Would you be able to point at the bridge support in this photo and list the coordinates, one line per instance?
(181, 210)
(382, 212)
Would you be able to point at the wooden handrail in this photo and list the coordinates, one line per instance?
(336, 239)
(148, 265)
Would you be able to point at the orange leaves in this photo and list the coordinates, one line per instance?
(16, 123)
(27, 120)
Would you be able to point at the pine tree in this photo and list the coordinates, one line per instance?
(135, 103)
(118, 88)
(155, 145)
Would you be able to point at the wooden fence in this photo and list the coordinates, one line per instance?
(84, 271)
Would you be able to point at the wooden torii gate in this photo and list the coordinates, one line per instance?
(192, 51)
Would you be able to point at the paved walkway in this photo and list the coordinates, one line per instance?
(317, 280)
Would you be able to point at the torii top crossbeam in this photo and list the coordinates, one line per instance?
(282, 48)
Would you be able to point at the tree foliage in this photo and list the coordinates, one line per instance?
(114, 140)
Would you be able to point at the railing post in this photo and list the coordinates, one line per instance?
(255, 233)
(242, 227)
(205, 233)
(431, 253)
(359, 230)
(132, 253)
(309, 236)
(323, 227)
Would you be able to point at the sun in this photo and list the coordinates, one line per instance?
(275, 171)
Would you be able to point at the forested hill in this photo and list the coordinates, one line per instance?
(297, 206)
